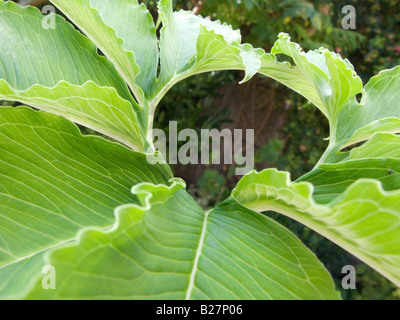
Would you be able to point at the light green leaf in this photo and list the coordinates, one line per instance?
(31, 55)
(333, 78)
(338, 198)
(290, 76)
(381, 145)
(124, 31)
(98, 108)
(53, 182)
(169, 248)
(381, 102)
(331, 179)
(337, 170)
(59, 70)
(377, 113)
(390, 125)
(191, 44)
(364, 219)
(336, 84)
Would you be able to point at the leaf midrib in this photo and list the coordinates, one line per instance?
(197, 257)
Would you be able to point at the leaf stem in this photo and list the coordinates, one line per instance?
(332, 142)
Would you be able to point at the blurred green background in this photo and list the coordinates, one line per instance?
(289, 132)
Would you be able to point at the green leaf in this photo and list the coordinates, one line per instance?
(290, 76)
(378, 157)
(98, 108)
(339, 198)
(390, 125)
(337, 85)
(333, 79)
(378, 112)
(31, 55)
(364, 219)
(169, 248)
(191, 44)
(381, 102)
(331, 179)
(124, 31)
(380, 145)
(33, 70)
(53, 182)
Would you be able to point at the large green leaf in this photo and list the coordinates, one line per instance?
(364, 219)
(53, 182)
(95, 107)
(31, 55)
(59, 70)
(169, 248)
(124, 31)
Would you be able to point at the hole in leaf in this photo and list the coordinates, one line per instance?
(353, 146)
(359, 97)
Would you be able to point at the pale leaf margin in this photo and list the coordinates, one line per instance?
(364, 220)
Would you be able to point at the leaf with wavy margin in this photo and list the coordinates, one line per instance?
(169, 248)
(190, 44)
(364, 219)
(53, 182)
(124, 31)
(59, 70)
